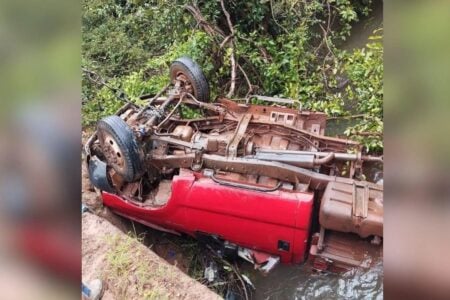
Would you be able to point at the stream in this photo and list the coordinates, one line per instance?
(300, 282)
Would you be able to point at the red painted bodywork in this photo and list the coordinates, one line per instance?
(251, 219)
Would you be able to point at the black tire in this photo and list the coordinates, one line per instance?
(116, 130)
(194, 74)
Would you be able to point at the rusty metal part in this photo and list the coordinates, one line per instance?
(239, 133)
(209, 106)
(339, 252)
(352, 207)
(150, 102)
(153, 119)
(324, 160)
(296, 127)
(177, 142)
(183, 132)
(318, 141)
(280, 115)
(171, 113)
(337, 156)
(280, 171)
(112, 152)
(183, 82)
(197, 162)
(210, 143)
(299, 160)
(89, 142)
(130, 190)
(239, 129)
(116, 179)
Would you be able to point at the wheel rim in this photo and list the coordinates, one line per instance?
(113, 153)
(185, 83)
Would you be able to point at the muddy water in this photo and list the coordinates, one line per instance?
(300, 282)
(283, 282)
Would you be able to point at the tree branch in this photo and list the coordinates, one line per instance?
(195, 12)
(232, 56)
(365, 133)
(250, 86)
(275, 20)
(214, 31)
(225, 40)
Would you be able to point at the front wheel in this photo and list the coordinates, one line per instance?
(120, 147)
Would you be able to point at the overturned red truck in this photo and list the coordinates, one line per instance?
(262, 180)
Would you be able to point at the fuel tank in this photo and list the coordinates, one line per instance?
(356, 208)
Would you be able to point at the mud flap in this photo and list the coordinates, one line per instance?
(98, 175)
(263, 262)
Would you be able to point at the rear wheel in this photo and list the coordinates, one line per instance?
(120, 147)
(191, 77)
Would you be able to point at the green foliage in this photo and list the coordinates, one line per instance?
(288, 48)
(364, 68)
(151, 78)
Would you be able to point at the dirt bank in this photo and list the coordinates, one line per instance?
(129, 269)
